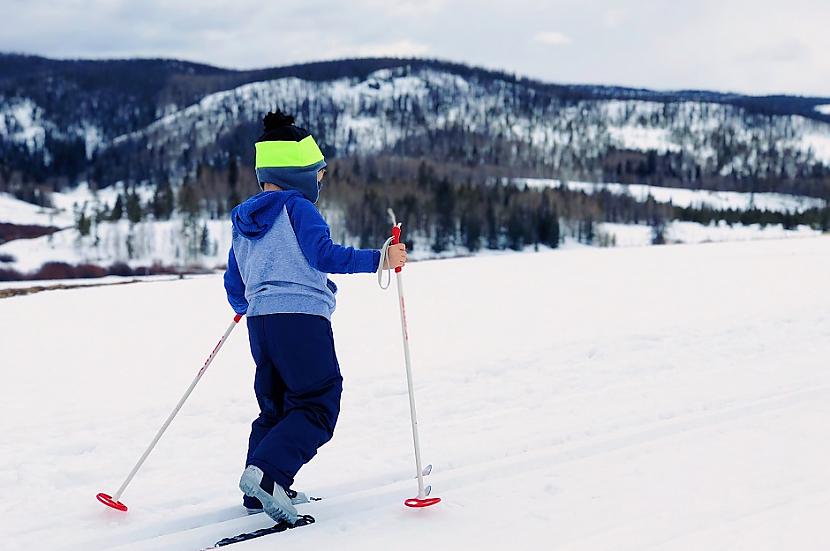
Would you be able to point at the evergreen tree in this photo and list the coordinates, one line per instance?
(588, 231)
(134, 210)
(163, 201)
(658, 230)
(492, 223)
(83, 223)
(117, 209)
(444, 201)
(204, 241)
(189, 203)
(547, 226)
(471, 229)
(515, 229)
(233, 179)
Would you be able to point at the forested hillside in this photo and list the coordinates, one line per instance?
(446, 145)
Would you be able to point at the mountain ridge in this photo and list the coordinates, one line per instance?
(67, 121)
(803, 105)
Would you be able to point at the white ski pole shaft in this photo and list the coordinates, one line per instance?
(396, 233)
(166, 424)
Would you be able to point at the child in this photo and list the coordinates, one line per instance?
(277, 274)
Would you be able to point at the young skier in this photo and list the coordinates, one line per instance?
(277, 275)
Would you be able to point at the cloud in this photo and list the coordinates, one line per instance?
(401, 48)
(406, 8)
(783, 51)
(552, 38)
(709, 44)
(613, 18)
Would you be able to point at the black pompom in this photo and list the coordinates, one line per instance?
(275, 120)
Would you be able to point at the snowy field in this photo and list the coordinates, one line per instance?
(682, 197)
(589, 399)
(676, 231)
(65, 203)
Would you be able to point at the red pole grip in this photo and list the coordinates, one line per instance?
(396, 238)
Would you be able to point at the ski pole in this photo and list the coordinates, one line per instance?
(113, 501)
(422, 500)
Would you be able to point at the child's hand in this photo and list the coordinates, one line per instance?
(396, 256)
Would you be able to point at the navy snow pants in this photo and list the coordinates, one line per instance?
(298, 387)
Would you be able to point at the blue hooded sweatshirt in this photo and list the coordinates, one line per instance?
(281, 256)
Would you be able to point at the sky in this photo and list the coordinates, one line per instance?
(756, 47)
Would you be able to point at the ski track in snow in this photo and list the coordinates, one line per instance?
(648, 398)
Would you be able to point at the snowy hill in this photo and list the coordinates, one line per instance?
(62, 122)
(649, 398)
(430, 112)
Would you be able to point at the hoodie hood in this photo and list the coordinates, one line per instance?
(257, 214)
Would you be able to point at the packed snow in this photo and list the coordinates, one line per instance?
(644, 398)
(682, 197)
(106, 280)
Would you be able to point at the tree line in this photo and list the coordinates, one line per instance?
(449, 207)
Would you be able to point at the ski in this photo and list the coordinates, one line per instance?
(281, 526)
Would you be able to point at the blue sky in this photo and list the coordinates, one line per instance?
(730, 45)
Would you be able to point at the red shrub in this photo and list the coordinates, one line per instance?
(54, 270)
(120, 269)
(8, 274)
(89, 270)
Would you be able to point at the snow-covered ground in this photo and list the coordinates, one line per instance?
(681, 197)
(15, 211)
(106, 280)
(638, 235)
(168, 242)
(588, 399)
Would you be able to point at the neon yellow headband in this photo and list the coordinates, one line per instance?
(288, 153)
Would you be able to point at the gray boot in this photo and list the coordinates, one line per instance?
(275, 501)
(253, 506)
